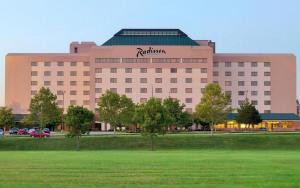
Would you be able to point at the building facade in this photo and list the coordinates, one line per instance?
(151, 62)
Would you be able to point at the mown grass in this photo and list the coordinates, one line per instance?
(165, 168)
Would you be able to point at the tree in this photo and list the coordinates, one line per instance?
(6, 118)
(175, 111)
(79, 119)
(115, 109)
(43, 109)
(248, 114)
(153, 118)
(185, 120)
(214, 105)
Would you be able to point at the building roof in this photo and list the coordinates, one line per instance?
(173, 37)
(270, 116)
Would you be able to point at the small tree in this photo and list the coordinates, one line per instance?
(248, 114)
(79, 119)
(153, 119)
(115, 109)
(214, 105)
(185, 120)
(175, 111)
(44, 109)
(7, 119)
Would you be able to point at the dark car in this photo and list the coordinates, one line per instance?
(46, 130)
(13, 130)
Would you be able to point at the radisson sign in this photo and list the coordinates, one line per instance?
(151, 51)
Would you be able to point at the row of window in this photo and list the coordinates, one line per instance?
(148, 60)
(60, 83)
(59, 63)
(241, 73)
(145, 70)
(60, 73)
(253, 93)
(73, 102)
(255, 102)
(242, 64)
(145, 80)
(242, 83)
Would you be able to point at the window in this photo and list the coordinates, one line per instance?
(47, 64)
(188, 70)
(227, 64)
(33, 64)
(241, 73)
(254, 93)
(76, 50)
(33, 92)
(227, 83)
(267, 83)
(188, 90)
(72, 102)
(254, 102)
(143, 80)
(228, 93)
(188, 80)
(240, 102)
(158, 80)
(267, 111)
(143, 90)
(47, 83)
(113, 70)
(143, 100)
(253, 73)
(86, 83)
(173, 80)
(158, 70)
(241, 93)
(267, 64)
(202, 90)
(173, 90)
(241, 64)
(267, 93)
(86, 92)
(158, 90)
(173, 70)
(267, 102)
(34, 73)
(143, 70)
(98, 80)
(47, 73)
(60, 92)
(188, 100)
(73, 92)
(241, 83)
(98, 70)
(73, 83)
(227, 73)
(60, 64)
(60, 102)
(128, 90)
(73, 64)
(113, 80)
(215, 73)
(253, 64)
(60, 73)
(96, 100)
(215, 64)
(128, 70)
(98, 90)
(86, 73)
(203, 80)
(267, 73)
(107, 60)
(73, 73)
(86, 64)
(60, 83)
(203, 70)
(128, 80)
(86, 102)
(253, 83)
(114, 90)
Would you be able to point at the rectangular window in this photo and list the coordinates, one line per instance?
(188, 90)
(60, 64)
(158, 80)
(188, 80)
(98, 90)
(98, 70)
(241, 73)
(241, 64)
(253, 64)
(188, 70)
(107, 60)
(143, 70)
(73, 102)
(188, 100)
(73, 83)
(60, 83)
(47, 83)
(267, 73)
(86, 92)
(241, 83)
(60, 73)
(173, 80)
(47, 73)
(173, 70)
(113, 80)
(73, 73)
(240, 102)
(73, 64)
(158, 90)
(267, 64)
(215, 64)
(254, 93)
(203, 80)
(254, 102)
(267, 93)
(113, 70)
(86, 83)
(33, 64)
(228, 83)
(173, 90)
(241, 93)
(128, 80)
(86, 73)
(86, 102)
(215, 73)
(73, 92)
(143, 90)
(128, 70)
(267, 83)
(253, 83)
(98, 80)
(253, 73)
(203, 70)
(34, 73)
(114, 90)
(227, 64)
(33, 92)
(267, 102)
(128, 90)
(143, 80)
(59, 102)
(47, 64)
(215, 82)
(267, 111)
(227, 73)
(228, 93)
(143, 100)
(86, 64)
(60, 92)
(158, 70)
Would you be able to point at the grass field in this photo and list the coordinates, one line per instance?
(227, 160)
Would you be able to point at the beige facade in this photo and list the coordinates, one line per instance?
(141, 71)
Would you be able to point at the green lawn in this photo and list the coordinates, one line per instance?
(165, 168)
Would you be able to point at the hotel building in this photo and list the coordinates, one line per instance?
(151, 62)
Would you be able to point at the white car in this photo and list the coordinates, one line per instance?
(1, 132)
(31, 130)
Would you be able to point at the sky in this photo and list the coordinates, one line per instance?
(248, 26)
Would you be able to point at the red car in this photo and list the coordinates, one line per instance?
(38, 134)
(22, 132)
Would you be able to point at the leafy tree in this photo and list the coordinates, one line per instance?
(185, 120)
(6, 118)
(43, 109)
(248, 114)
(214, 105)
(79, 119)
(175, 111)
(153, 118)
(115, 109)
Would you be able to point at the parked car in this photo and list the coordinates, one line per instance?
(39, 134)
(22, 131)
(13, 130)
(46, 130)
(1, 132)
(32, 129)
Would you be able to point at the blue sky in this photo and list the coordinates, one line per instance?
(254, 26)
